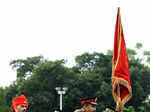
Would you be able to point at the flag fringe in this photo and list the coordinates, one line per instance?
(123, 82)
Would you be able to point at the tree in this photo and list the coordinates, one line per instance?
(24, 67)
(3, 105)
(91, 76)
(40, 87)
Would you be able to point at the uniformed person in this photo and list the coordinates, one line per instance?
(19, 104)
(58, 110)
(110, 109)
(88, 105)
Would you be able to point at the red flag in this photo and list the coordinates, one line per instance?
(121, 85)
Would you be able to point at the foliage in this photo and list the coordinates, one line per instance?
(37, 78)
(128, 109)
(3, 105)
(24, 67)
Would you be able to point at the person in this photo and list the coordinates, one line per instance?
(19, 104)
(110, 109)
(88, 105)
(58, 110)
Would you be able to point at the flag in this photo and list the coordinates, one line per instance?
(121, 86)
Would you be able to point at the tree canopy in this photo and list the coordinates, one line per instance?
(37, 78)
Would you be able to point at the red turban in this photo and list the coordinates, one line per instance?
(21, 100)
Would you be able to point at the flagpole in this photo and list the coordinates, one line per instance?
(119, 99)
(122, 91)
(118, 103)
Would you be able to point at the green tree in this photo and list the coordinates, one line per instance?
(24, 67)
(3, 105)
(40, 87)
(37, 78)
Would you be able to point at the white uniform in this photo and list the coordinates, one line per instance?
(79, 110)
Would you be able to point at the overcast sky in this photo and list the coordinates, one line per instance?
(63, 29)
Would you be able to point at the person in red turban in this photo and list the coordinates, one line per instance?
(19, 104)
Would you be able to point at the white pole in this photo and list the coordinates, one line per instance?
(61, 91)
(61, 101)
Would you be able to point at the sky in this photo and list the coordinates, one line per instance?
(64, 29)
